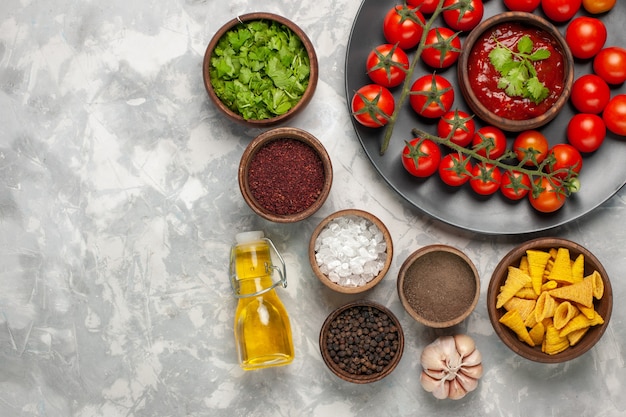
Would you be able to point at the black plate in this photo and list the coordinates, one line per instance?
(602, 175)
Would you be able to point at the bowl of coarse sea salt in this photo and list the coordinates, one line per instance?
(350, 251)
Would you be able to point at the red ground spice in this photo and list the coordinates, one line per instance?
(286, 176)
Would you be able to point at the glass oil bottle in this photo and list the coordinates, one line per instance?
(262, 329)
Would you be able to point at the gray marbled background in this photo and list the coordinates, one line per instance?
(119, 203)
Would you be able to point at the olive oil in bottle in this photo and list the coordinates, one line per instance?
(262, 329)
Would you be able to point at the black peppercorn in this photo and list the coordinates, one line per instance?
(367, 342)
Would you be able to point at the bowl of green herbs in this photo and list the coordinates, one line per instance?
(260, 69)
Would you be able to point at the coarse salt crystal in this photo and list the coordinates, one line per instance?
(350, 250)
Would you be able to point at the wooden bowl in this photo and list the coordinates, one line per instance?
(438, 286)
(299, 181)
(391, 342)
(470, 96)
(325, 278)
(313, 65)
(603, 306)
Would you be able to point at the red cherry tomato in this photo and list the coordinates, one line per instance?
(455, 169)
(515, 185)
(485, 178)
(463, 125)
(590, 94)
(586, 132)
(463, 15)
(489, 141)
(614, 115)
(372, 105)
(421, 157)
(522, 5)
(548, 197)
(560, 10)
(531, 146)
(403, 25)
(598, 6)
(387, 65)
(585, 36)
(610, 64)
(431, 96)
(566, 160)
(441, 48)
(425, 6)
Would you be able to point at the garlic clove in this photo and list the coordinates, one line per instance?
(473, 358)
(474, 372)
(429, 383)
(436, 373)
(465, 345)
(457, 391)
(468, 383)
(450, 352)
(438, 387)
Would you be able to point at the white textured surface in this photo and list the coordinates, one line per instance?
(119, 202)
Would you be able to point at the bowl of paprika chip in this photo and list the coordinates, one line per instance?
(285, 174)
(260, 69)
(516, 71)
(549, 300)
(361, 342)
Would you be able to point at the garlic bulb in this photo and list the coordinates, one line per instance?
(451, 367)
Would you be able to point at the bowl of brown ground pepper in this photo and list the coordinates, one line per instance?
(438, 286)
(285, 174)
(361, 342)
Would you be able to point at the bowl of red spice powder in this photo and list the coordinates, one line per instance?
(438, 286)
(285, 174)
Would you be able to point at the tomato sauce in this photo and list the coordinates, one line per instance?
(484, 77)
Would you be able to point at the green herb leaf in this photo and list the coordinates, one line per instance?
(525, 45)
(260, 69)
(518, 73)
(540, 54)
(537, 91)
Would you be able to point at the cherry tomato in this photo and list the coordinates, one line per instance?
(522, 5)
(515, 185)
(548, 197)
(489, 141)
(431, 96)
(610, 64)
(531, 146)
(560, 10)
(463, 125)
(485, 178)
(565, 159)
(586, 132)
(441, 48)
(421, 157)
(590, 94)
(585, 36)
(455, 169)
(372, 105)
(598, 6)
(614, 115)
(387, 65)
(463, 15)
(425, 6)
(403, 25)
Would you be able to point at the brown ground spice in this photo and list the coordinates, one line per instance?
(286, 176)
(439, 286)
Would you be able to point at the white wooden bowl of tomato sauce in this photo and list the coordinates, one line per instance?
(478, 78)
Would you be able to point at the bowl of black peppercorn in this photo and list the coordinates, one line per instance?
(361, 342)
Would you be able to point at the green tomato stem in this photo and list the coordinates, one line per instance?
(406, 86)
